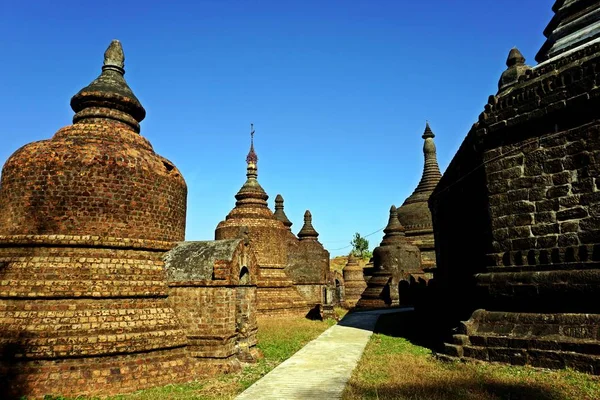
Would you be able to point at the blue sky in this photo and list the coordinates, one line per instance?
(339, 91)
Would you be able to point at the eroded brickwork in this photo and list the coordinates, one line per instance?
(212, 288)
(308, 266)
(538, 142)
(113, 185)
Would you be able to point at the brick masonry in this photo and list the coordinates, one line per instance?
(212, 288)
(524, 237)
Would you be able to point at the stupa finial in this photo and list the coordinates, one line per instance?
(108, 97)
(114, 58)
(251, 157)
(308, 231)
(280, 213)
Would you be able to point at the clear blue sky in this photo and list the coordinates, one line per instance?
(339, 91)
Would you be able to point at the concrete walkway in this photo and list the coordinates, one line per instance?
(321, 369)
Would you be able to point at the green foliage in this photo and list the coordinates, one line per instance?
(360, 247)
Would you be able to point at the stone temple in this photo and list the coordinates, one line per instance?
(516, 214)
(293, 270)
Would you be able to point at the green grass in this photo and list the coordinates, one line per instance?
(394, 368)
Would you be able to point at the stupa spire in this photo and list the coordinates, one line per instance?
(109, 97)
(252, 158)
(394, 229)
(280, 214)
(431, 170)
(516, 68)
(251, 193)
(308, 232)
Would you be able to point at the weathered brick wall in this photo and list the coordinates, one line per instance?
(246, 324)
(212, 288)
(544, 196)
(313, 294)
(267, 236)
(76, 320)
(308, 266)
(209, 317)
(540, 142)
(92, 179)
(426, 244)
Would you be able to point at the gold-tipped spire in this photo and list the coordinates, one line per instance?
(251, 193)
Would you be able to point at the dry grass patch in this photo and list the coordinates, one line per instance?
(394, 368)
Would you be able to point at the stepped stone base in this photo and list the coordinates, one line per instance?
(541, 340)
(377, 292)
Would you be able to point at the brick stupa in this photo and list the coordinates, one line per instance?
(393, 260)
(85, 218)
(269, 238)
(354, 281)
(414, 213)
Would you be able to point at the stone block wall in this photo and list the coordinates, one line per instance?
(308, 267)
(268, 240)
(86, 311)
(544, 198)
(539, 141)
(212, 288)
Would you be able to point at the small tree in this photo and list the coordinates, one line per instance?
(360, 247)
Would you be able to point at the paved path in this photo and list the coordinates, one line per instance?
(321, 369)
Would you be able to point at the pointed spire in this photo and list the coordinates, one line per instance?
(251, 193)
(308, 232)
(516, 68)
(515, 58)
(109, 98)
(252, 158)
(394, 230)
(431, 170)
(428, 132)
(419, 216)
(280, 214)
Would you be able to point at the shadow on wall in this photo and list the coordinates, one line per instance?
(12, 384)
(411, 291)
(457, 389)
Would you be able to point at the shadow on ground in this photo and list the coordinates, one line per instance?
(412, 326)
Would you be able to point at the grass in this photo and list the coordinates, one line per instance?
(394, 368)
(278, 339)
